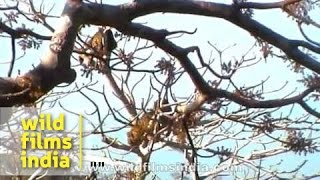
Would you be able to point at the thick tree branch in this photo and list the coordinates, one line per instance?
(207, 93)
(158, 37)
(290, 47)
(271, 5)
(54, 67)
(230, 13)
(120, 17)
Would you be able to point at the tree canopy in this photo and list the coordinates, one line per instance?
(154, 87)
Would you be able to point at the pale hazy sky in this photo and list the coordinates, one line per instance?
(217, 31)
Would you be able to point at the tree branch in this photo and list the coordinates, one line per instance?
(271, 5)
(19, 33)
(54, 67)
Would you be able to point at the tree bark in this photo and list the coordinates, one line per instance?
(54, 67)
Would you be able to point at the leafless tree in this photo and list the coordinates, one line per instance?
(223, 121)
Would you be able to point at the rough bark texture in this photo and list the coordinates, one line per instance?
(54, 67)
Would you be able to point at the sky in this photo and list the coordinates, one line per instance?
(217, 31)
